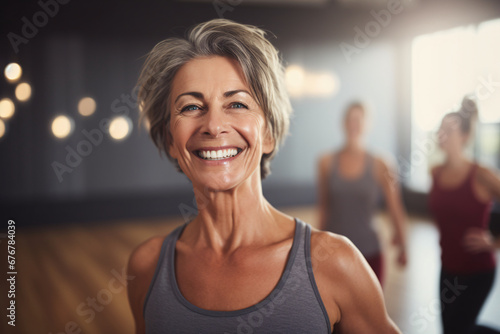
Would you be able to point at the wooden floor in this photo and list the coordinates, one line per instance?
(71, 277)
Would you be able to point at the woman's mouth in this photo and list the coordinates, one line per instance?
(221, 154)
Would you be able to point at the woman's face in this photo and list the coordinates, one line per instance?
(218, 130)
(354, 124)
(450, 136)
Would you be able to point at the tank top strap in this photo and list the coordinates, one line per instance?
(304, 269)
(163, 259)
(300, 235)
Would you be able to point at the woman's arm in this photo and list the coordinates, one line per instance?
(324, 165)
(479, 240)
(389, 183)
(142, 265)
(349, 288)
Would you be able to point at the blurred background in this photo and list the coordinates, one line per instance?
(85, 185)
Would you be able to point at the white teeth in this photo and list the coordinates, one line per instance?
(219, 154)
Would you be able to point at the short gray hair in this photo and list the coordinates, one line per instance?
(259, 60)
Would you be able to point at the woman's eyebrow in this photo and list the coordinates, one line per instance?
(198, 95)
(233, 92)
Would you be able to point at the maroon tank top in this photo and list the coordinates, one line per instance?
(456, 210)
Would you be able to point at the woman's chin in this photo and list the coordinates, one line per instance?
(443, 145)
(218, 182)
(448, 149)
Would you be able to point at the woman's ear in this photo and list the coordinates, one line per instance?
(269, 142)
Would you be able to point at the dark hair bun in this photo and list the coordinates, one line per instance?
(469, 107)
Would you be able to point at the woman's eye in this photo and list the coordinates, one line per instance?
(238, 105)
(190, 108)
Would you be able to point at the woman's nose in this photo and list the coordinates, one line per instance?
(214, 122)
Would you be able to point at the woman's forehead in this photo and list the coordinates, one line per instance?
(450, 122)
(209, 74)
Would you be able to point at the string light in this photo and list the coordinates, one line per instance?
(86, 106)
(13, 72)
(2, 128)
(62, 126)
(7, 108)
(120, 128)
(23, 91)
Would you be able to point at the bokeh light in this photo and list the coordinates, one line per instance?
(294, 80)
(302, 83)
(321, 84)
(7, 108)
(2, 128)
(13, 72)
(23, 91)
(62, 126)
(120, 128)
(86, 106)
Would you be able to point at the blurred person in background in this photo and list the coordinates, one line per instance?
(217, 106)
(349, 185)
(460, 201)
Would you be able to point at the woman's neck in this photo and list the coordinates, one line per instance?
(230, 219)
(352, 146)
(455, 160)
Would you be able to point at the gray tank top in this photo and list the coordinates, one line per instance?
(294, 305)
(352, 206)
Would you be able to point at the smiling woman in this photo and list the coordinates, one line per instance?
(217, 107)
(253, 60)
(211, 116)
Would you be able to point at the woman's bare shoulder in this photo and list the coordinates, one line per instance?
(435, 169)
(325, 161)
(339, 251)
(144, 257)
(339, 269)
(336, 259)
